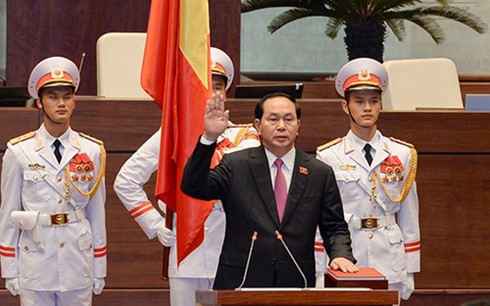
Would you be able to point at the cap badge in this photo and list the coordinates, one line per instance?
(364, 75)
(57, 73)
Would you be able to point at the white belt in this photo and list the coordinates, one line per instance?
(61, 218)
(372, 223)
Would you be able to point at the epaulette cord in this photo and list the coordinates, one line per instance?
(242, 133)
(22, 137)
(412, 173)
(92, 138)
(402, 142)
(328, 144)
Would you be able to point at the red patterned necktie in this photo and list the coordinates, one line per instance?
(280, 189)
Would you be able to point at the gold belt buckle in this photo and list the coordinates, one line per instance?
(59, 219)
(369, 223)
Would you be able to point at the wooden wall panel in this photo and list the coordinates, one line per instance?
(454, 194)
(431, 132)
(122, 125)
(453, 179)
(134, 261)
(448, 298)
(39, 29)
(225, 22)
(16, 121)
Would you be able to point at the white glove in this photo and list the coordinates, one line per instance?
(165, 235)
(407, 287)
(99, 284)
(12, 285)
(320, 281)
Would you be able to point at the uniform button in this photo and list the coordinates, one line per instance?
(59, 178)
(26, 248)
(90, 246)
(35, 178)
(62, 244)
(371, 236)
(273, 261)
(60, 200)
(206, 229)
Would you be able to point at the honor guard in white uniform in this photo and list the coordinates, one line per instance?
(376, 178)
(198, 269)
(52, 219)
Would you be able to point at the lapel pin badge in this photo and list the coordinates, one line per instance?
(303, 170)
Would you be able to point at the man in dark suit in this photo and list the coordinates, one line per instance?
(283, 204)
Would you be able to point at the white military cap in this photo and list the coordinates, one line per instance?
(51, 72)
(361, 73)
(221, 64)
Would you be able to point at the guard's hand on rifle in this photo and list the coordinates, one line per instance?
(165, 235)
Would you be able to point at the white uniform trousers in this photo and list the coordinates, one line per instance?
(81, 297)
(183, 291)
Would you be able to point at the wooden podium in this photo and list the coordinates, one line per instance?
(292, 296)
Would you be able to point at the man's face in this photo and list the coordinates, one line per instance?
(278, 128)
(58, 103)
(219, 84)
(364, 107)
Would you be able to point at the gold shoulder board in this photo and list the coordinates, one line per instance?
(22, 137)
(238, 125)
(402, 142)
(328, 144)
(92, 138)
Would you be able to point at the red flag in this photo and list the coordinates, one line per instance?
(176, 73)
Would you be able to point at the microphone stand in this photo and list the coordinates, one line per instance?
(254, 237)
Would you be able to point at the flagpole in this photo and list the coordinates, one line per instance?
(169, 219)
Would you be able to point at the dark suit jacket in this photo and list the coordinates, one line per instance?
(242, 181)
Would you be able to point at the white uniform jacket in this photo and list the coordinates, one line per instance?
(56, 257)
(203, 261)
(393, 248)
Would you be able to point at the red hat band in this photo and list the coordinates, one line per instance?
(55, 76)
(217, 68)
(363, 78)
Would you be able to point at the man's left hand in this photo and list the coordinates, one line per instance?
(343, 264)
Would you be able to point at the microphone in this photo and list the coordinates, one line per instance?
(254, 237)
(279, 237)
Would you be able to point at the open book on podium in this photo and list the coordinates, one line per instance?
(366, 277)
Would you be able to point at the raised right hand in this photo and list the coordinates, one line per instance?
(216, 117)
